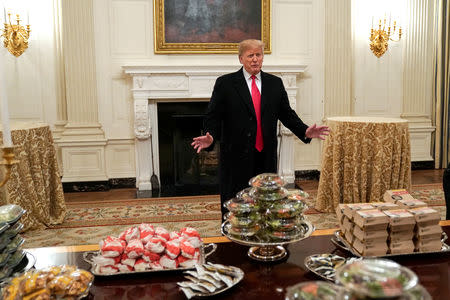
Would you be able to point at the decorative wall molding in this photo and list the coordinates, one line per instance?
(338, 58)
(82, 140)
(190, 83)
(418, 72)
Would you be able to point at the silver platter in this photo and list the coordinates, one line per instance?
(88, 257)
(333, 261)
(338, 240)
(269, 251)
(239, 276)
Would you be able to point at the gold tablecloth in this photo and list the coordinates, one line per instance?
(35, 182)
(362, 158)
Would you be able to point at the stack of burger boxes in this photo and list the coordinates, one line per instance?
(427, 231)
(370, 232)
(400, 225)
(401, 231)
(346, 213)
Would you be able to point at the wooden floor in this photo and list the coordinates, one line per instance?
(417, 177)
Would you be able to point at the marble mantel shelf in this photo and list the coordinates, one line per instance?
(208, 69)
(158, 83)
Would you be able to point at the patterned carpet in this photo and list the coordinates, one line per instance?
(88, 222)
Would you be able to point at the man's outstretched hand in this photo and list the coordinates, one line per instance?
(202, 142)
(315, 131)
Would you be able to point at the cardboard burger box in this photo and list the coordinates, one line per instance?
(395, 195)
(371, 220)
(343, 230)
(349, 237)
(411, 203)
(400, 220)
(425, 216)
(428, 230)
(401, 247)
(431, 248)
(348, 225)
(351, 208)
(340, 212)
(370, 250)
(364, 235)
(435, 236)
(406, 235)
(371, 242)
(385, 205)
(420, 245)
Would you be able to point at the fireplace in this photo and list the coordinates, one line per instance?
(182, 170)
(155, 86)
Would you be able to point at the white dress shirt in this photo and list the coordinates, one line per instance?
(248, 78)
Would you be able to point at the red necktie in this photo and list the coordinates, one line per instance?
(256, 97)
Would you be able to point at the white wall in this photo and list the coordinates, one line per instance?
(30, 78)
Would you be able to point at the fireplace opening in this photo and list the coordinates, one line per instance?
(183, 172)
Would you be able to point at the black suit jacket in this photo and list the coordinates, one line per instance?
(231, 120)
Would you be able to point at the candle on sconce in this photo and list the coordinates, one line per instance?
(7, 141)
(28, 17)
(372, 23)
(4, 14)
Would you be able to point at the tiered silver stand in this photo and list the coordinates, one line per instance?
(269, 251)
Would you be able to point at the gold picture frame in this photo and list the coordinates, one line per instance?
(209, 26)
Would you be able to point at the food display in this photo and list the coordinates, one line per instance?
(267, 215)
(313, 290)
(58, 282)
(11, 255)
(145, 247)
(210, 279)
(265, 212)
(381, 230)
(376, 278)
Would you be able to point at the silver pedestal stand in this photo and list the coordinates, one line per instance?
(268, 251)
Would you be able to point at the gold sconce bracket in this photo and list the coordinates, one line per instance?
(8, 161)
(15, 36)
(379, 38)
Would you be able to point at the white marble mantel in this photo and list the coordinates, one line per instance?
(154, 84)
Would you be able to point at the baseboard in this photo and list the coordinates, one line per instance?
(98, 186)
(116, 183)
(307, 175)
(422, 165)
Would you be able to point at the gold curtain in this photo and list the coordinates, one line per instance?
(442, 85)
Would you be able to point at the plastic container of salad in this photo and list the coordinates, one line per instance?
(376, 278)
(10, 213)
(13, 230)
(267, 181)
(313, 290)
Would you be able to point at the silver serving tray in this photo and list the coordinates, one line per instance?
(341, 243)
(88, 256)
(239, 277)
(306, 227)
(309, 264)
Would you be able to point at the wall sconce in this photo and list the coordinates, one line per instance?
(379, 38)
(15, 36)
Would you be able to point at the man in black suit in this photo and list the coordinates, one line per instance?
(446, 186)
(242, 114)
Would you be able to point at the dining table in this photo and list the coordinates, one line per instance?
(35, 181)
(362, 157)
(262, 280)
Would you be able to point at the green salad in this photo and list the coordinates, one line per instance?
(313, 290)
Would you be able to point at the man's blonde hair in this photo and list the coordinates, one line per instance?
(251, 43)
